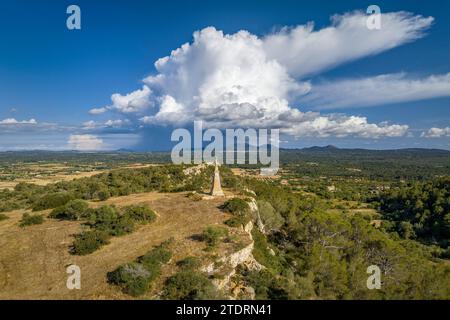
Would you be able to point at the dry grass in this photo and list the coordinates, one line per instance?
(33, 260)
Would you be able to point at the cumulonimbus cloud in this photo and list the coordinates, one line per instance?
(304, 51)
(377, 90)
(242, 80)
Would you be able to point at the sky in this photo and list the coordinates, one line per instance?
(137, 70)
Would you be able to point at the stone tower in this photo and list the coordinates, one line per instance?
(216, 189)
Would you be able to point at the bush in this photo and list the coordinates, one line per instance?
(6, 206)
(213, 234)
(28, 220)
(103, 218)
(406, 230)
(189, 263)
(72, 210)
(108, 219)
(122, 226)
(236, 205)
(89, 241)
(239, 209)
(133, 278)
(140, 214)
(52, 200)
(262, 253)
(188, 285)
(3, 217)
(155, 258)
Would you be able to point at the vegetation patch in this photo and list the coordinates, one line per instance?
(135, 278)
(240, 210)
(52, 200)
(104, 222)
(72, 210)
(262, 253)
(189, 285)
(189, 263)
(419, 210)
(29, 220)
(89, 241)
(140, 214)
(212, 235)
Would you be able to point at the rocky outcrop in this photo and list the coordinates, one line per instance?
(255, 212)
(224, 269)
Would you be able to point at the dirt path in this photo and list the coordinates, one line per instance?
(33, 260)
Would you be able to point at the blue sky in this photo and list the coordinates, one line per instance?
(390, 96)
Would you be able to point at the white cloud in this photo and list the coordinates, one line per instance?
(241, 80)
(134, 102)
(85, 142)
(228, 81)
(436, 133)
(378, 90)
(116, 123)
(304, 51)
(96, 111)
(12, 121)
(90, 125)
(312, 124)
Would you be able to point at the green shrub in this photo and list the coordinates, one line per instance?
(236, 205)
(234, 222)
(11, 205)
(213, 234)
(108, 219)
(122, 226)
(140, 214)
(103, 218)
(188, 285)
(102, 194)
(155, 258)
(240, 210)
(133, 278)
(52, 200)
(189, 263)
(72, 210)
(262, 253)
(89, 241)
(3, 217)
(28, 220)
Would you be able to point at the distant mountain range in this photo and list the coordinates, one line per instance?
(313, 149)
